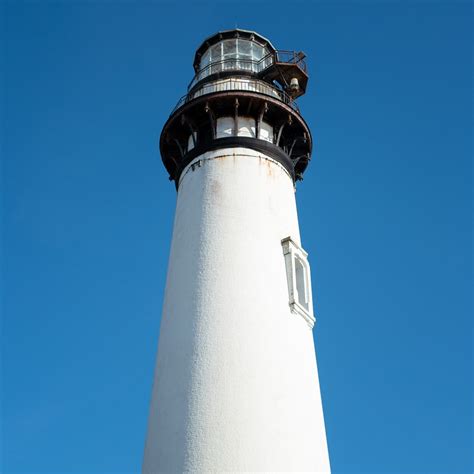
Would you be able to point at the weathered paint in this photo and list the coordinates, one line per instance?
(236, 385)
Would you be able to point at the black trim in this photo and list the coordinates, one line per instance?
(204, 110)
(256, 144)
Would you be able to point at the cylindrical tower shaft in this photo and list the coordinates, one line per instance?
(236, 384)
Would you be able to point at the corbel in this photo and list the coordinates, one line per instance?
(236, 117)
(280, 131)
(185, 120)
(258, 122)
(181, 151)
(212, 119)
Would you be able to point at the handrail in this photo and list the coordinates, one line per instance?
(291, 57)
(234, 84)
(231, 64)
(279, 56)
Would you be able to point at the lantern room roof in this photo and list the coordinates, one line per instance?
(229, 34)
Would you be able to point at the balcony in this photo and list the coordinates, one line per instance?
(279, 60)
(238, 84)
(232, 64)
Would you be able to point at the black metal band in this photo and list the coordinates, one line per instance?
(262, 146)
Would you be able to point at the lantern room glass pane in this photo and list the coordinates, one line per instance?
(205, 59)
(216, 53)
(257, 51)
(229, 49)
(244, 48)
(234, 54)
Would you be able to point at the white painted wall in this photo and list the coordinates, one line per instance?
(236, 384)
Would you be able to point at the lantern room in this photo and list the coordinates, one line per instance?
(233, 51)
(242, 94)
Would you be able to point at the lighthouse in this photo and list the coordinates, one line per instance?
(236, 384)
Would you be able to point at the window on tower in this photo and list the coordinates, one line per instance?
(299, 280)
(226, 127)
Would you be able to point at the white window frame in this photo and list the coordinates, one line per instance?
(293, 251)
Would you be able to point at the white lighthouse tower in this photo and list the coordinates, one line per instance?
(236, 383)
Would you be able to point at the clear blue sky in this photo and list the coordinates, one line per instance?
(384, 212)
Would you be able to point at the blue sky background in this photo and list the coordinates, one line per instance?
(384, 213)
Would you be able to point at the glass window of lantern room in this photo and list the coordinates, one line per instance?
(204, 69)
(205, 59)
(216, 58)
(266, 59)
(244, 50)
(229, 49)
(229, 54)
(258, 53)
(216, 52)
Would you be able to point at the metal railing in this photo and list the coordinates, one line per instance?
(232, 84)
(291, 57)
(242, 64)
(232, 64)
